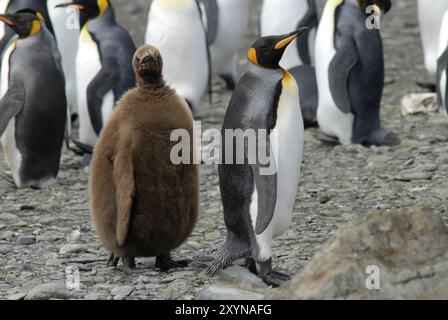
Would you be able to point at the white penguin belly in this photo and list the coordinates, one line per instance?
(3, 7)
(281, 17)
(8, 139)
(430, 14)
(287, 146)
(332, 121)
(175, 28)
(233, 21)
(66, 28)
(88, 65)
(443, 45)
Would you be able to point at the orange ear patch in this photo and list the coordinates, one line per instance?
(252, 56)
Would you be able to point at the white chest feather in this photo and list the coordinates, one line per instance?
(287, 147)
(8, 139)
(443, 45)
(281, 17)
(430, 14)
(176, 29)
(3, 7)
(332, 120)
(88, 65)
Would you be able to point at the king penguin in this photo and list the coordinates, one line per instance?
(259, 198)
(227, 22)
(280, 16)
(350, 73)
(104, 68)
(32, 121)
(66, 31)
(176, 28)
(430, 15)
(142, 203)
(442, 67)
(12, 6)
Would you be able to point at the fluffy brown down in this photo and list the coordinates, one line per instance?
(141, 203)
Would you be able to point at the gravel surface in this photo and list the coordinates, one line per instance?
(46, 234)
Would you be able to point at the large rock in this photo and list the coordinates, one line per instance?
(409, 249)
(55, 290)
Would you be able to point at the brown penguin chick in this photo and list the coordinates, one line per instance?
(142, 204)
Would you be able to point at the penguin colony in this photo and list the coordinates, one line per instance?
(303, 71)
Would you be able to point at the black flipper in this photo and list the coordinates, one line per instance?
(212, 15)
(309, 20)
(103, 82)
(345, 59)
(11, 103)
(209, 55)
(442, 65)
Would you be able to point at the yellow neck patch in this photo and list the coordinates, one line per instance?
(35, 28)
(103, 5)
(287, 78)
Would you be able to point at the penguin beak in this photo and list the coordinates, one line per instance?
(287, 39)
(6, 19)
(78, 6)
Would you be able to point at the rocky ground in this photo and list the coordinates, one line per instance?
(45, 234)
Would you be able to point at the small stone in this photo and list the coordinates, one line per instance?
(26, 240)
(414, 175)
(56, 290)
(72, 249)
(222, 292)
(74, 237)
(172, 293)
(26, 208)
(17, 296)
(122, 292)
(8, 216)
(168, 279)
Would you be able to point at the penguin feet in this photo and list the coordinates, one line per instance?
(319, 135)
(251, 265)
(165, 263)
(271, 277)
(128, 263)
(382, 137)
(230, 81)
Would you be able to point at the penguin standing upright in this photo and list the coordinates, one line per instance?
(177, 30)
(430, 14)
(66, 31)
(280, 16)
(142, 203)
(32, 121)
(442, 67)
(12, 6)
(350, 73)
(227, 22)
(103, 65)
(259, 198)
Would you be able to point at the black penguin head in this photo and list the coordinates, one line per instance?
(267, 52)
(89, 9)
(380, 6)
(26, 23)
(148, 64)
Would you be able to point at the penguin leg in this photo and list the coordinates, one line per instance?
(382, 137)
(271, 277)
(251, 265)
(229, 80)
(113, 260)
(128, 265)
(165, 262)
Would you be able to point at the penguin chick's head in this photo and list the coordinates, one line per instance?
(380, 6)
(148, 64)
(26, 23)
(89, 9)
(267, 52)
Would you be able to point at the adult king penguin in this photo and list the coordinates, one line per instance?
(227, 22)
(142, 203)
(66, 31)
(104, 67)
(32, 121)
(12, 6)
(430, 15)
(280, 16)
(442, 67)
(175, 27)
(350, 73)
(258, 203)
